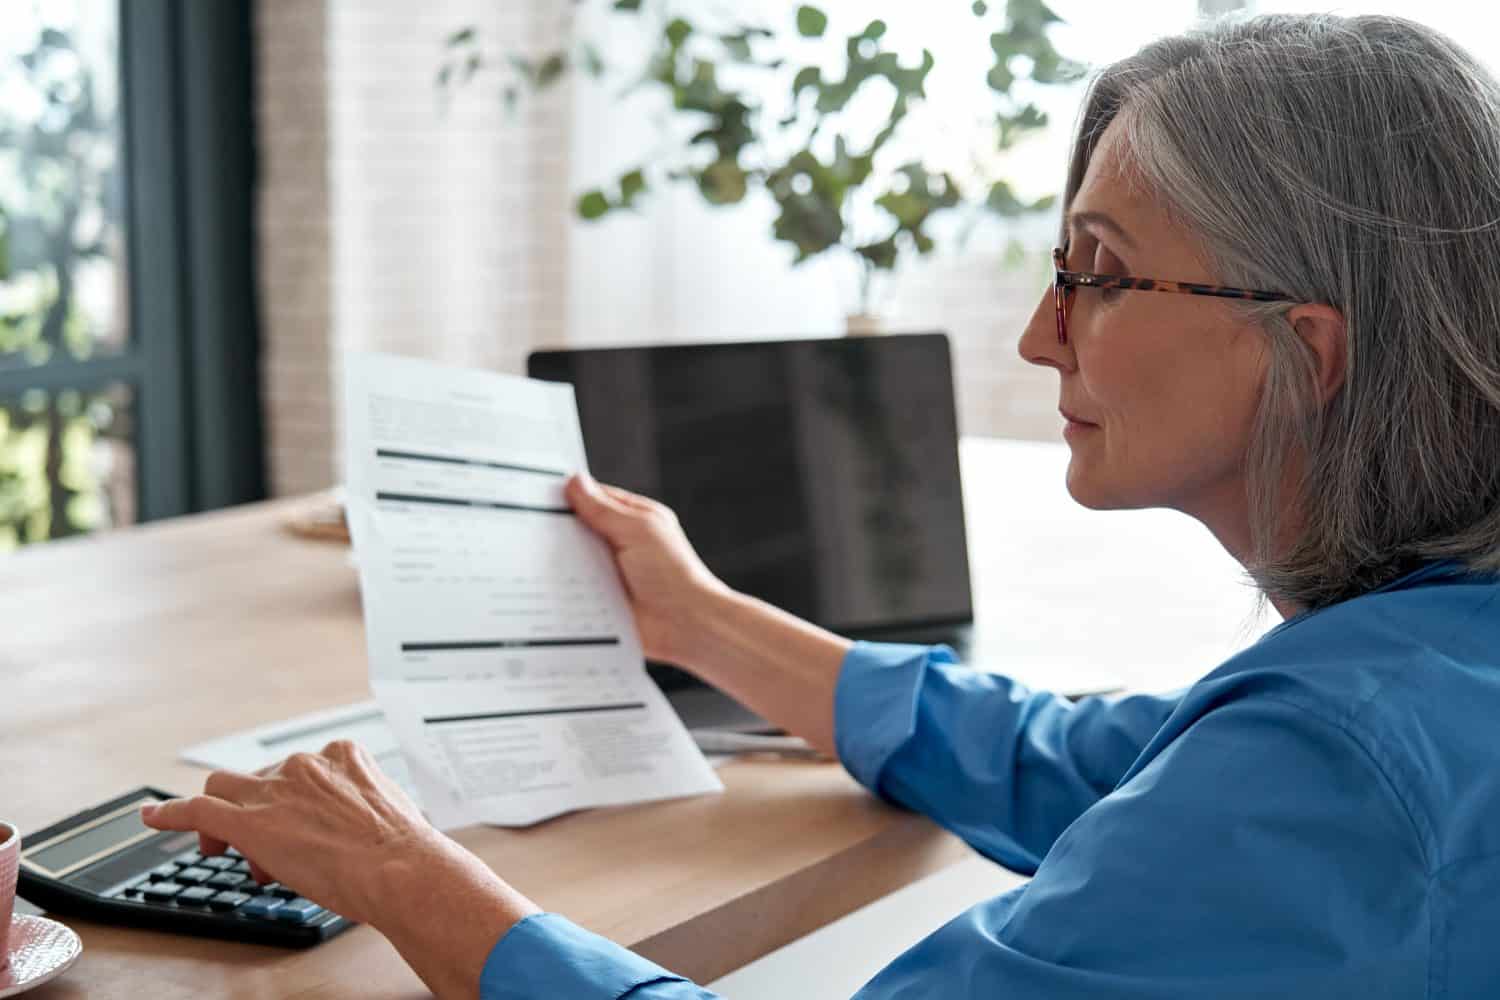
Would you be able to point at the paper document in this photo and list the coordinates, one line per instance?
(501, 645)
(263, 746)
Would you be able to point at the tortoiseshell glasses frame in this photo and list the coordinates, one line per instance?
(1065, 281)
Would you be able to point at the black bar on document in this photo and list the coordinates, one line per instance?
(433, 720)
(461, 502)
(441, 647)
(417, 456)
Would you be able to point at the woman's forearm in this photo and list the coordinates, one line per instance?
(781, 667)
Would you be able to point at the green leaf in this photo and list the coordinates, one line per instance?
(631, 185)
(593, 205)
(551, 68)
(723, 182)
(627, 4)
(460, 37)
(807, 76)
(1000, 77)
(738, 47)
(1003, 201)
(1031, 12)
(980, 8)
(593, 62)
(881, 254)
(874, 30)
(811, 22)
(677, 31)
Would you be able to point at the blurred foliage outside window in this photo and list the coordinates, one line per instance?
(66, 453)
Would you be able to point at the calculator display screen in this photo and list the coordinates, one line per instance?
(90, 841)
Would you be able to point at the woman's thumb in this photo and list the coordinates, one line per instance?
(593, 506)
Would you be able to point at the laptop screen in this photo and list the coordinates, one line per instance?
(818, 475)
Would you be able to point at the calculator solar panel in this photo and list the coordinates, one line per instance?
(104, 864)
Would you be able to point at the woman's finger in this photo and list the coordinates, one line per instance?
(211, 846)
(233, 786)
(204, 814)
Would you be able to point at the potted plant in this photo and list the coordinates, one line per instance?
(839, 188)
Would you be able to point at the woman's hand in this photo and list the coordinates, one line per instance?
(334, 828)
(671, 592)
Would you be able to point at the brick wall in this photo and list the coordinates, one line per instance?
(389, 221)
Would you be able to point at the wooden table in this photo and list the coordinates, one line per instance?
(119, 651)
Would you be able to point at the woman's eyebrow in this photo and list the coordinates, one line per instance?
(1101, 220)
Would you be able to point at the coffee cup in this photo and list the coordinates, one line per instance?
(10, 867)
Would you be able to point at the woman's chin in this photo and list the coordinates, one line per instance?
(1088, 489)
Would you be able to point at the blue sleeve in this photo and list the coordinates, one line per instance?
(1262, 853)
(1004, 767)
(548, 957)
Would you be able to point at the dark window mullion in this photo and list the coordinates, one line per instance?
(152, 140)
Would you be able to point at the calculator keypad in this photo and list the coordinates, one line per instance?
(222, 884)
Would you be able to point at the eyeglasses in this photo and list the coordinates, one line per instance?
(1065, 281)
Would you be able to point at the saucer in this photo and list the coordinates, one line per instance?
(40, 951)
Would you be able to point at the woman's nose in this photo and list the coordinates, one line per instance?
(1038, 343)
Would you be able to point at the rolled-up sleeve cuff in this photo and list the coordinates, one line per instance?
(875, 703)
(547, 955)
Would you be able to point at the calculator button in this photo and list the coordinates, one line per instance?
(228, 900)
(279, 890)
(164, 871)
(263, 906)
(230, 852)
(219, 864)
(298, 911)
(193, 875)
(161, 891)
(198, 895)
(188, 858)
(132, 888)
(226, 880)
(242, 866)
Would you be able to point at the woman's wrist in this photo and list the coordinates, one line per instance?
(707, 622)
(445, 910)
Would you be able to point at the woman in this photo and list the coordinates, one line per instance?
(1320, 815)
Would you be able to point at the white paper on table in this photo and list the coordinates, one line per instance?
(252, 749)
(501, 645)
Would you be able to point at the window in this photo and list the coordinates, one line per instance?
(126, 324)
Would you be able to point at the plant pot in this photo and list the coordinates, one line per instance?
(863, 324)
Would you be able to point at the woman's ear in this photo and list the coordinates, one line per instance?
(1322, 328)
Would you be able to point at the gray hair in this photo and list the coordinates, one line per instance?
(1354, 162)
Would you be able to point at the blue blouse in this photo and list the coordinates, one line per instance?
(1319, 817)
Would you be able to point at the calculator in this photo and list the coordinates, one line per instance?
(104, 864)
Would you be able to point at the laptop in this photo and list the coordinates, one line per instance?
(820, 475)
